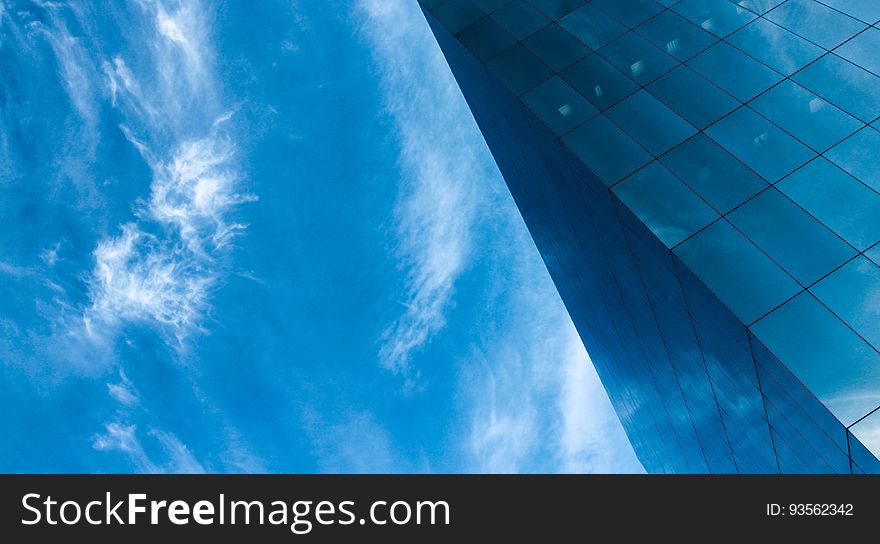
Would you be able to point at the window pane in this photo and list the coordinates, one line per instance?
(713, 173)
(837, 199)
(718, 17)
(742, 277)
(734, 71)
(853, 293)
(637, 58)
(816, 22)
(843, 84)
(457, 14)
(812, 120)
(676, 35)
(485, 39)
(666, 205)
(606, 150)
(520, 19)
(559, 106)
(599, 82)
(760, 144)
(776, 47)
(827, 356)
(629, 12)
(805, 248)
(693, 97)
(519, 69)
(650, 122)
(555, 46)
(591, 26)
(862, 50)
(858, 156)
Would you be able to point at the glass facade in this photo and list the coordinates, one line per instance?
(701, 180)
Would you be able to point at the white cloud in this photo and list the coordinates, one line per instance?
(437, 198)
(123, 391)
(174, 456)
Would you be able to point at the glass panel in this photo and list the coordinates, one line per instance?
(862, 50)
(837, 199)
(718, 17)
(713, 173)
(559, 106)
(519, 69)
(760, 6)
(591, 26)
(843, 84)
(629, 12)
(734, 71)
(816, 22)
(520, 19)
(665, 204)
(606, 150)
(739, 274)
(853, 293)
(801, 245)
(776, 47)
(555, 46)
(817, 123)
(637, 58)
(676, 35)
(457, 14)
(858, 156)
(650, 122)
(837, 366)
(557, 8)
(489, 5)
(865, 10)
(868, 432)
(760, 144)
(693, 97)
(599, 82)
(485, 39)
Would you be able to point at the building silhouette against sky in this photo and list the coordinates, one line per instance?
(701, 178)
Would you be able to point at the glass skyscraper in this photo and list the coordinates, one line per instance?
(702, 178)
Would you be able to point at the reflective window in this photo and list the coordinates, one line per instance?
(519, 69)
(837, 366)
(862, 50)
(592, 26)
(520, 18)
(457, 14)
(676, 35)
(718, 17)
(760, 144)
(556, 47)
(837, 199)
(599, 82)
(853, 293)
(760, 6)
(557, 8)
(742, 277)
(713, 173)
(805, 248)
(606, 150)
(559, 106)
(489, 5)
(843, 84)
(868, 432)
(774, 46)
(865, 10)
(664, 204)
(650, 122)
(816, 22)
(734, 71)
(806, 116)
(858, 156)
(485, 39)
(693, 97)
(629, 12)
(637, 58)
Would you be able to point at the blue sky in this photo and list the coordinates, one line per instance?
(268, 237)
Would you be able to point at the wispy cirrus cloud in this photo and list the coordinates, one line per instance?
(437, 199)
(169, 454)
